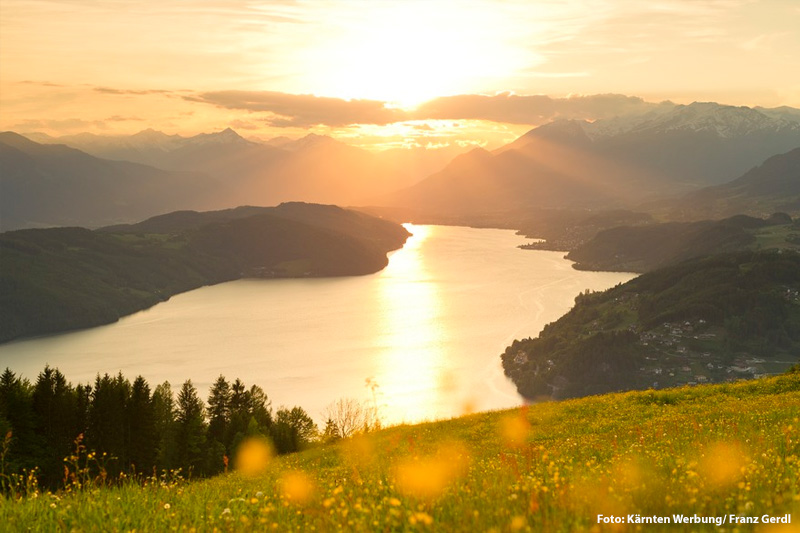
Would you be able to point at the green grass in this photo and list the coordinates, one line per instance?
(708, 450)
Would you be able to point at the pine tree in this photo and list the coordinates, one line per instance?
(16, 399)
(164, 426)
(293, 430)
(239, 416)
(219, 400)
(108, 426)
(83, 402)
(260, 408)
(331, 432)
(141, 427)
(53, 403)
(190, 430)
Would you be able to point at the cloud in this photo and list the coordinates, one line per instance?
(764, 43)
(533, 109)
(111, 90)
(499, 108)
(58, 124)
(243, 125)
(292, 110)
(119, 118)
(41, 83)
(285, 110)
(303, 110)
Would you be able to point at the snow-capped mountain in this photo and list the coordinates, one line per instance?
(226, 136)
(724, 121)
(700, 117)
(684, 146)
(309, 142)
(149, 138)
(622, 161)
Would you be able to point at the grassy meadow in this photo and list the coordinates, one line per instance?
(710, 451)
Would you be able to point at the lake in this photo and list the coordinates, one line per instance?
(421, 339)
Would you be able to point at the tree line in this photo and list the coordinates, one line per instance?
(128, 429)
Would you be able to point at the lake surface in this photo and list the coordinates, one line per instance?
(422, 339)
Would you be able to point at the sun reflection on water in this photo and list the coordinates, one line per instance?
(411, 359)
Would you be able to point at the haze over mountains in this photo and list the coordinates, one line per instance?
(616, 162)
(770, 187)
(314, 168)
(43, 185)
(611, 162)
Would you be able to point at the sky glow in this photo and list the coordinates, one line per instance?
(375, 72)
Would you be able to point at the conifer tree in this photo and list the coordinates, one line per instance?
(15, 397)
(108, 429)
(164, 426)
(141, 427)
(260, 408)
(219, 400)
(293, 430)
(190, 430)
(83, 402)
(53, 403)
(239, 416)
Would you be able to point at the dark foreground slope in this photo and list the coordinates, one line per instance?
(711, 319)
(64, 278)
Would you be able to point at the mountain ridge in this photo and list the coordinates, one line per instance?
(46, 185)
(314, 168)
(619, 162)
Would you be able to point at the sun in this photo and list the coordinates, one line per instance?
(408, 53)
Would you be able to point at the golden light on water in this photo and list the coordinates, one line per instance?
(410, 319)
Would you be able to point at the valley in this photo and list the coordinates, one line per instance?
(519, 266)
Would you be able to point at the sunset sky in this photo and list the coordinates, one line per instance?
(382, 73)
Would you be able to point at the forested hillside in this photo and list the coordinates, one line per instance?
(64, 278)
(710, 319)
(647, 247)
(65, 434)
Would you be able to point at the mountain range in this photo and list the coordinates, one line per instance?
(314, 168)
(47, 185)
(616, 163)
(771, 186)
(611, 162)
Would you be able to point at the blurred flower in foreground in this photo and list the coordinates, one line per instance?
(722, 463)
(253, 456)
(514, 429)
(296, 487)
(427, 477)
